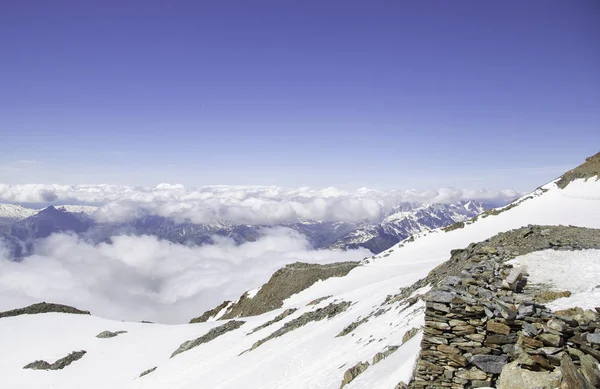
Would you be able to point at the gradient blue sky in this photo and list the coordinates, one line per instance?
(384, 94)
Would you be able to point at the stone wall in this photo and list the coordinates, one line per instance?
(485, 326)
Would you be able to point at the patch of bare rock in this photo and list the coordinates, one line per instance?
(43, 307)
(289, 280)
(327, 312)
(58, 365)
(210, 335)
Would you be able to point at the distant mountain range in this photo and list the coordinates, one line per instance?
(20, 227)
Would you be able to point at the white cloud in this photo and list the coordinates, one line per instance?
(143, 278)
(251, 205)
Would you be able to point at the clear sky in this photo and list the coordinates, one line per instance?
(383, 94)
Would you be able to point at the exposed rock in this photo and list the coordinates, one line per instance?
(408, 335)
(38, 365)
(210, 313)
(589, 169)
(109, 334)
(277, 318)
(146, 372)
(328, 312)
(352, 326)
(354, 372)
(43, 307)
(210, 335)
(285, 282)
(59, 364)
(384, 354)
(513, 377)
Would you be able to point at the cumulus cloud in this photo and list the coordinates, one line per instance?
(250, 205)
(143, 278)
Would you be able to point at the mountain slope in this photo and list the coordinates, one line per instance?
(314, 355)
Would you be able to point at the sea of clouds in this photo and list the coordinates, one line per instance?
(144, 278)
(246, 205)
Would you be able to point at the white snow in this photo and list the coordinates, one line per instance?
(15, 212)
(574, 271)
(308, 357)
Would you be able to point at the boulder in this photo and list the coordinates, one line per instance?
(513, 377)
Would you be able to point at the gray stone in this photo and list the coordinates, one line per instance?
(529, 330)
(146, 372)
(109, 334)
(440, 296)
(593, 338)
(513, 377)
(513, 279)
(557, 325)
(489, 363)
(505, 310)
(525, 310)
(452, 280)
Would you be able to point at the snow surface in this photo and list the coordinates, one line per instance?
(308, 357)
(15, 212)
(575, 271)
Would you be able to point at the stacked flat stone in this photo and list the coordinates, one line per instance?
(484, 319)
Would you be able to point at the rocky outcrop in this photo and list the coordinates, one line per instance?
(277, 318)
(210, 313)
(146, 372)
(285, 282)
(380, 356)
(327, 312)
(484, 326)
(354, 372)
(58, 365)
(210, 335)
(589, 169)
(43, 307)
(109, 334)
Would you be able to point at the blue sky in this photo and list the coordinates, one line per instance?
(383, 94)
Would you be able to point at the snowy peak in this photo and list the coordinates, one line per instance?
(15, 212)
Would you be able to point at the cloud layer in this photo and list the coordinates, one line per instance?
(251, 205)
(143, 278)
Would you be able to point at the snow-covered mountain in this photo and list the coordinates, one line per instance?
(405, 220)
(323, 336)
(12, 212)
(409, 219)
